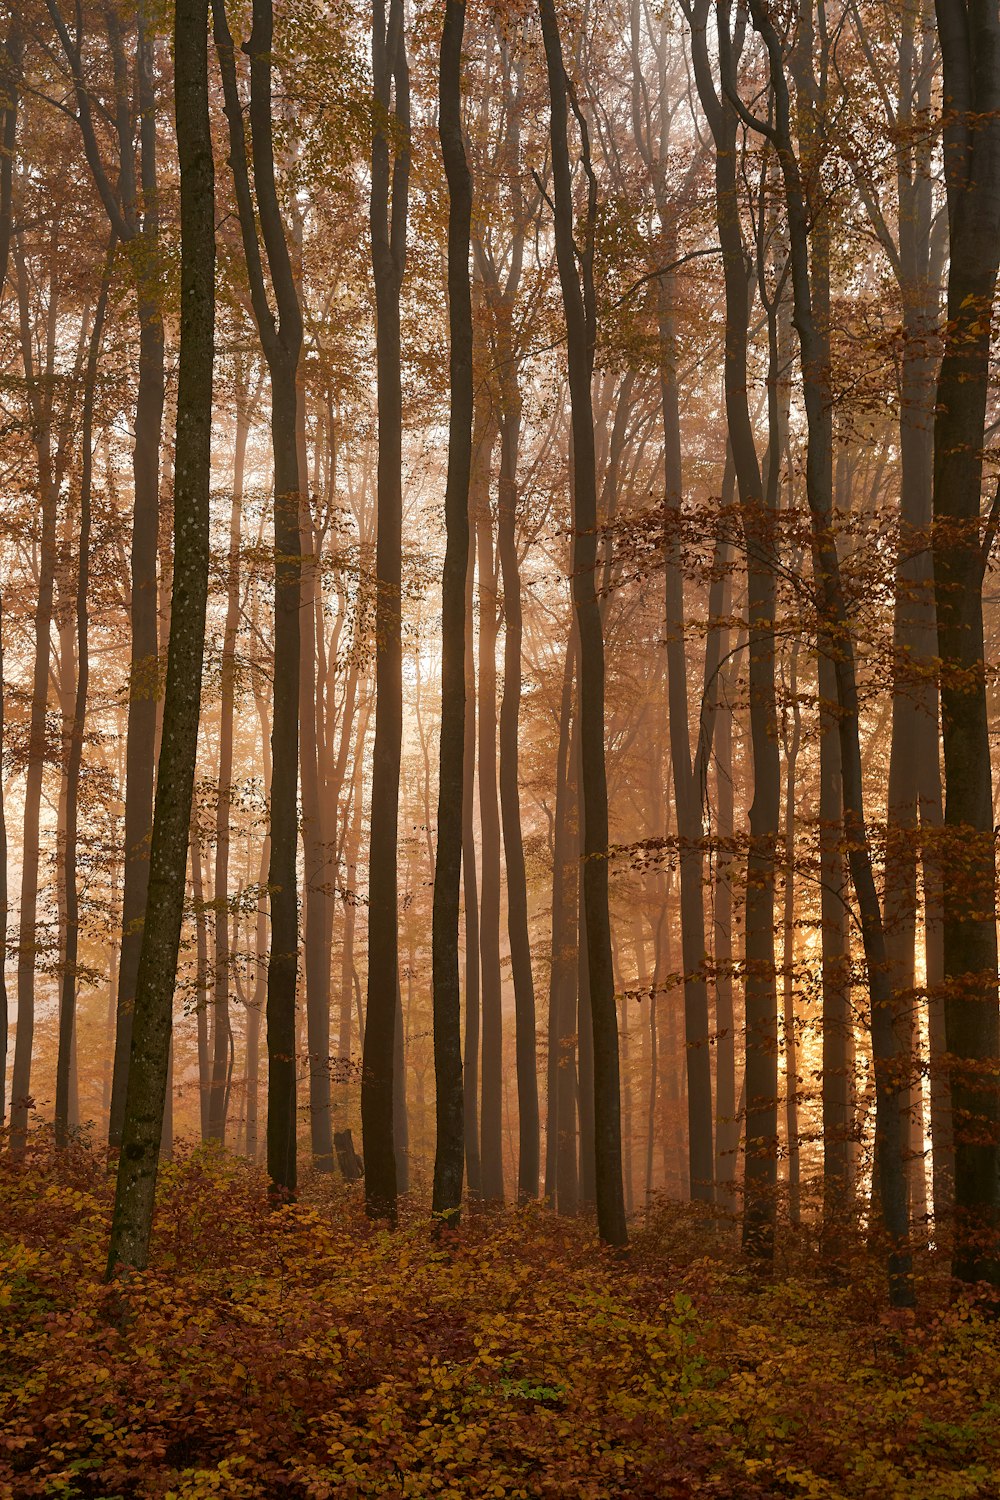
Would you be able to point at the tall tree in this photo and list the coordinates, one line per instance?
(578, 307)
(10, 83)
(151, 1032)
(450, 1151)
(757, 510)
(280, 334)
(388, 218)
(68, 982)
(837, 644)
(969, 33)
(131, 201)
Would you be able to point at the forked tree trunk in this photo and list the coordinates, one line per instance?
(280, 334)
(149, 1062)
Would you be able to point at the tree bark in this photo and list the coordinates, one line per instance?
(491, 1132)
(65, 1071)
(388, 245)
(10, 81)
(450, 1153)
(837, 644)
(221, 1082)
(510, 803)
(280, 334)
(149, 1060)
(578, 306)
(970, 39)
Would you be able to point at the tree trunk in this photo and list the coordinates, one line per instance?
(218, 1099)
(970, 38)
(450, 1153)
(388, 246)
(281, 340)
(510, 803)
(561, 1181)
(201, 978)
(578, 306)
(148, 1065)
(470, 901)
(144, 671)
(27, 942)
(68, 983)
(489, 825)
(316, 847)
(837, 644)
(10, 78)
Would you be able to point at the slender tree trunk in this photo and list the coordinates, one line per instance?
(218, 1099)
(201, 978)
(149, 1061)
(144, 672)
(757, 506)
(27, 942)
(68, 982)
(970, 38)
(686, 796)
(315, 839)
(388, 245)
(585, 1043)
(837, 643)
(788, 956)
(470, 901)
(578, 308)
(281, 340)
(350, 916)
(489, 825)
(561, 1180)
(400, 1119)
(258, 1005)
(510, 804)
(10, 78)
(450, 1154)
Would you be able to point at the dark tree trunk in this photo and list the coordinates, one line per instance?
(510, 803)
(281, 340)
(686, 790)
(150, 1053)
(27, 940)
(388, 246)
(970, 39)
(837, 644)
(450, 1154)
(757, 507)
(578, 305)
(10, 80)
(144, 680)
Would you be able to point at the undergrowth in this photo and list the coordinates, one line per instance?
(308, 1353)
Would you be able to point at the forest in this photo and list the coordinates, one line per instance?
(498, 637)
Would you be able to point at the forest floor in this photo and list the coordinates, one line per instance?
(306, 1353)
